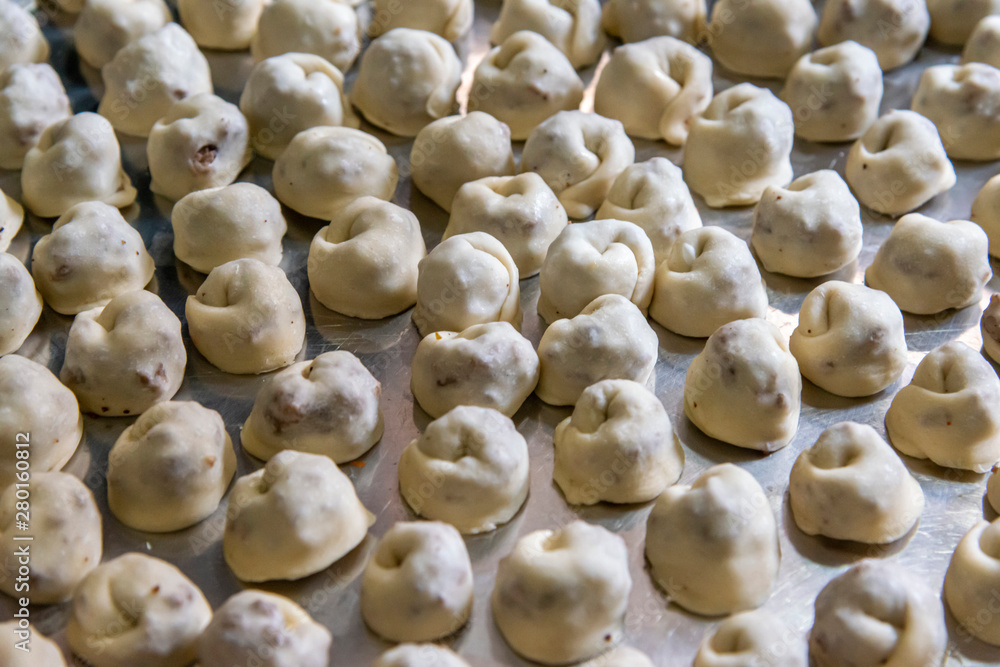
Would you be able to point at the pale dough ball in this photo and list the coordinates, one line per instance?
(170, 469)
(75, 160)
(983, 45)
(293, 638)
(246, 318)
(834, 92)
(618, 446)
(655, 88)
(609, 340)
(201, 142)
(524, 81)
(365, 262)
(228, 26)
(450, 19)
(620, 656)
(328, 406)
(326, 28)
(91, 256)
(709, 278)
(573, 26)
(752, 638)
(638, 20)
(948, 411)
(745, 388)
(877, 613)
(20, 35)
(488, 365)
(21, 306)
(713, 546)
(11, 219)
(993, 489)
(290, 93)
(738, 146)
(899, 164)
(105, 27)
(591, 259)
(579, 155)
(866, 22)
(407, 79)
(973, 574)
(44, 652)
(808, 229)
(850, 339)
(469, 468)
(420, 655)
(970, 130)
(952, 21)
(326, 168)
(762, 38)
(32, 97)
(294, 517)
(166, 613)
(560, 596)
(34, 402)
(989, 327)
(986, 213)
(928, 266)
(418, 584)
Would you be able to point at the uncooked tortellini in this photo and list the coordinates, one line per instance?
(952, 21)
(22, 304)
(750, 639)
(983, 45)
(986, 213)
(638, 20)
(989, 326)
(11, 220)
(973, 576)
(574, 26)
(20, 36)
(105, 27)
(31, 98)
(44, 652)
(420, 655)
(449, 18)
(326, 28)
(761, 38)
(969, 130)
(228, 26)
(894, 29)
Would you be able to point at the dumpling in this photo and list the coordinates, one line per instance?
(973, 574)
(573, 26)
(752, 638)
(638, 20)
(469, 468)
(952, 21)
(418, 584)
(75, 160)
(745, 388)
(877, 613)
(579, 155)
(11, 219)
(618, 446)
(709, 278)
(21, 307)
(738, 146)
(928, 266)
(365, 262)
(326, 168)
(407, 79)
(228, 27)
(560, 596)
(450, 19)
(326, 28)
(835, 92)
(866, 22)
(899, 164)
(91, 256)
(21, 37)
(294, 517)
(949, 411)
(488, 365)
(808, 229)
(44, 652)
(963, 101)
(201, 142)
(524, 81)
(420, 655)
(655, 88)
(983, 45)
(290, 93)
(31, 98)
(989, 327)
(246, 318)
(609, 340)
(104, 27)
(713, 546)
(763, 38)
(220, 225)
(986, 213)
(850, 339)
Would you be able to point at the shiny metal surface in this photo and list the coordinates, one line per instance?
(665, 632)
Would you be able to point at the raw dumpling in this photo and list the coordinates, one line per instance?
(418, 584)
(201, 142)
(850, 339)
(949, 411)
(420, 655)
(713, 546)
(983, 45)
(11, 219)
(488, 365)
(835, 92)
(220, 225)
(989, 327)
(407, 79)
(31, 98)
(952, 21)
(579, 155)
(738, 146)
(745, 388)
(609, 340)
(899, 164)
(618, 446)
(43, 651)
(328, 406)
(123, 358)
(469, 468)
(246, 318)
(973, 576)
(76, 160)
(226, 27)
(105, 27)
(573, 26)
(294, 517)
(524, 81)
(638, 20)
(326, 28)
(928, 266)
(450, 19)
(850, 485)
(560, 596)
(91, 256)
(709, 278)
(326, 168)
(655, 88)
(290, 93)
(20, 36)
(365, 262)
(963, 101)
(762, 38)
(993, 488)
(810, 228)
(894, 29)
(986, 213)
(751, 639)
(21, 307)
